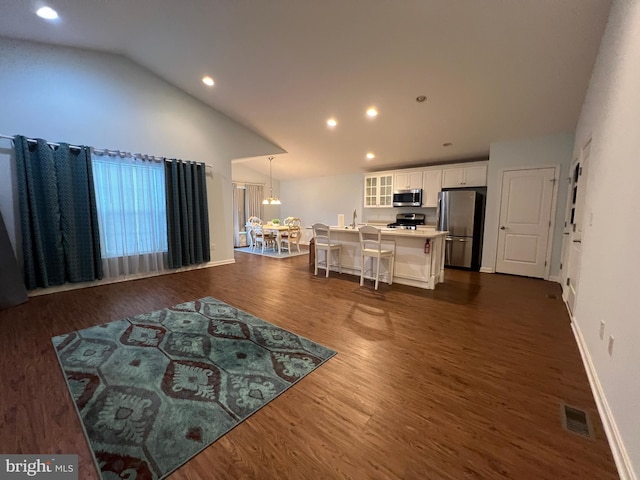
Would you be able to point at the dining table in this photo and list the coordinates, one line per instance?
(277, 230)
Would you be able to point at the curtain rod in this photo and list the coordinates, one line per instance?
(104, 151)
(247, 183)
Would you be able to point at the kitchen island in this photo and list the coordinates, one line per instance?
(412, 266)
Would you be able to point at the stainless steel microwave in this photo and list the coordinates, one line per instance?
(407, 198)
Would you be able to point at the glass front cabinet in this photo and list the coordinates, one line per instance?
(378, 190)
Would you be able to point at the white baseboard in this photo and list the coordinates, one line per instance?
(106, 281)
(555, 278)
(623, 463)
(487, 270)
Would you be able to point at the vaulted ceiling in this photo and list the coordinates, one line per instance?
(491, 70)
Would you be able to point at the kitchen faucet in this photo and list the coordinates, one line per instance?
(353, 224)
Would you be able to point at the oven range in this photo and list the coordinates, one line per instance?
(408, 221)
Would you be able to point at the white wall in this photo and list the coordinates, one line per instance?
(610, 248)
(107, 101)
(321, 199)
(544, 151)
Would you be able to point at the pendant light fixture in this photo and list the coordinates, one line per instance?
(271, 200)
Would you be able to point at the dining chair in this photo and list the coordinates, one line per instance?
(262, 238)
(291, 236)
(371, 246)
(322, 242)
(251, 223)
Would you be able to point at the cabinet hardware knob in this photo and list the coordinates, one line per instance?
(503, 228)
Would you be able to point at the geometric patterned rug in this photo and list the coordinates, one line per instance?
(154, 390)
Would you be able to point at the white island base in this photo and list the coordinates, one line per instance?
(412, 266)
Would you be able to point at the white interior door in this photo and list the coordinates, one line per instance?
(525, 221)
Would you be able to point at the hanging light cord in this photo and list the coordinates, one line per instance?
(270, 179)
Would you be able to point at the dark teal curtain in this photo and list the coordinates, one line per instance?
(60, 238)
(187, 213)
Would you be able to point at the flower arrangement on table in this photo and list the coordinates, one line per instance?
(275, 221)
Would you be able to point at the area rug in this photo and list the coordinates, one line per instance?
(274, 254)
(154, 390)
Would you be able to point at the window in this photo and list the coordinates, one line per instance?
(130, 198)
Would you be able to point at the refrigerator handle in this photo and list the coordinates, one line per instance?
(438, 219)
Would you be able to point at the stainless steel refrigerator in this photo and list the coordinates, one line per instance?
(461, 213)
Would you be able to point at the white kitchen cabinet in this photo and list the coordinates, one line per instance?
(378, 190)
(379, 186)
(407, 180)
(464, 176)
(431, 183)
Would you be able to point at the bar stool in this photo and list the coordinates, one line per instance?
(371, 246)
(322, 240)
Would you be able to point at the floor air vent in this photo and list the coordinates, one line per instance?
(576, 421)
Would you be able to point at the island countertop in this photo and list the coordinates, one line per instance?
(419, 254)
(398, 232)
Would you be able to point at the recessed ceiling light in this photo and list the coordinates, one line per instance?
(448, 144)
(372, 112)
(332, 122)
(370, 156)
(421, 98)
(207, 80)
(47, 13)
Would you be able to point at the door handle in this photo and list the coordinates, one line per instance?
(503, 228)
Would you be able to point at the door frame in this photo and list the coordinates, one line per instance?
(566, 263)
(567, 234)
(554, 206)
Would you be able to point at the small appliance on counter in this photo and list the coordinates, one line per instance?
(408, 221)
(461, 213)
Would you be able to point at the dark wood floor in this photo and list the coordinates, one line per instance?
(462, 382)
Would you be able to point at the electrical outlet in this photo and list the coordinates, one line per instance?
(601, 329)
(610, 348)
